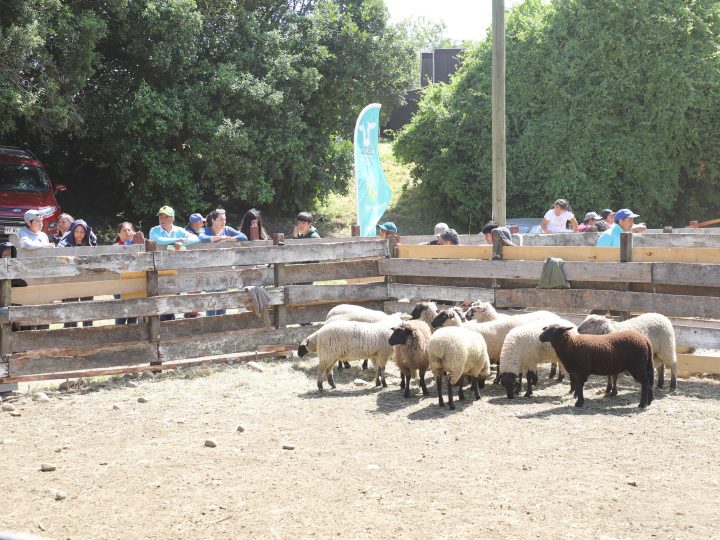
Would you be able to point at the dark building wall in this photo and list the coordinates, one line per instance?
(445, 63)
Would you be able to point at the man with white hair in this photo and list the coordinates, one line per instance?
(32, 236)
(440, 228)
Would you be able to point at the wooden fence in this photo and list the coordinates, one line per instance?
(682, 283)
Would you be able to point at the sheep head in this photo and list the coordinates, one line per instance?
(400, 335)
(302, 348)
(480, 312)
(422, 306)
(508, 380)
(595, 324)
(554, 332)
(446, 317)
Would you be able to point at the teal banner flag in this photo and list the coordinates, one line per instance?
(373, 191)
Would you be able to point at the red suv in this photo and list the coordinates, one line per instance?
(24, 184)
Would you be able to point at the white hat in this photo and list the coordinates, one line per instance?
(32, 214)
(441, 228)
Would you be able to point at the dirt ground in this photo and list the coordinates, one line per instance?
(365, 463)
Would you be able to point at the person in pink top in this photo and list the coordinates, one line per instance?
(591, 218)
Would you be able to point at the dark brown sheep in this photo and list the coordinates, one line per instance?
(609, 354)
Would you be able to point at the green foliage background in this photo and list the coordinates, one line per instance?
(138, 103)
(610, 103)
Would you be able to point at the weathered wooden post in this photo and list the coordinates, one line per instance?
(279, 281)
(153, 289)
(355, 230)
(278, 239)
(498, 111)
(626, 245)
(254, 232)
(667, 229)
(5, 336)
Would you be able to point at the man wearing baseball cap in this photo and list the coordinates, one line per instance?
(195, 224)
(387, 229)
(624, 221)
(167, 234)
(32, 236)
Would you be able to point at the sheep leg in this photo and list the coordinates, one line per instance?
(365, 364)
(661, 376)
(518, 385)
(438, 383)
(532, 378)
(481, 382)
(461, 394)
(609, 386)
(407, 384)
(451, 405)
(422, 383)
(402, 381)
(673, 378)
(613, 393)
(382, 378)
(475, 388)
(330, 379)
(579, 384)
(553, 367)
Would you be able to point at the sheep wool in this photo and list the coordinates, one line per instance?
(350, 340)
(655, 326)
(483, 312)
(425, 311)
(410, 343)
(457, 352)
(522, 351)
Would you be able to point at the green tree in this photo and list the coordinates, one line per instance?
(609, 103)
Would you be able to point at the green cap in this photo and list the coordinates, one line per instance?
(166, 211)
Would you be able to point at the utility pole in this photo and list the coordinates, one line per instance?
(498, 111)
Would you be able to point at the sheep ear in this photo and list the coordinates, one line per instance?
(545, 328)
(566, 328)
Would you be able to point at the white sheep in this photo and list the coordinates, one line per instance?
(349, 340)
(362, 314)
(456, 351)
(483, 312)
(521, 353)
(655, 326)
(410, 342)
(425, 311)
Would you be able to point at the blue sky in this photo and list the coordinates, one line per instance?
(464, 19)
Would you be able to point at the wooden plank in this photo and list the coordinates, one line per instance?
(233, 342)
(216, 280)
(436, 292)
(45, 267)
(691, 364)
(303, 295)
(216, 245)
(106, 372)
(80, 251)
(701, 275)
(676, 255)
(199, 326)
(112, 309)
(698, 337)
(465, 239)
(567, 253)
(443, 252)
(57, 360)
(304, 273)
(272, 254)
(557, 300)
(91, 336)
(635, 272)
(331, 240)
(45, 294)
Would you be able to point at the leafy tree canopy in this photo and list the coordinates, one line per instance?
(194, 103)
(610, 103)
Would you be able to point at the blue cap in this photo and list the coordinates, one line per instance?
(194, 218)
(624, 213)
(388, 226)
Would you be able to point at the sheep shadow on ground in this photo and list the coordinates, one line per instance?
(393, 399)
(625, 405)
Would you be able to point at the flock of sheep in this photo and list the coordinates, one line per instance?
(460, 346)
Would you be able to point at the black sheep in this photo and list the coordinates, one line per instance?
(609, 354)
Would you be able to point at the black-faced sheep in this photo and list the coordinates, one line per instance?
(655, 326)
(456, 352)
(410, 342)
(349, 340)
(584, 355)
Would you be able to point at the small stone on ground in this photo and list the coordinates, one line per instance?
(142, 400)
(60, 495)
(41, 397)
(255, 366)
(8, 407)
(47, 467)
(288, 447)
(210, 443)
(359, 382)
(240, 429)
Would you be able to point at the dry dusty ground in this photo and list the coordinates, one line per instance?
(366, 463)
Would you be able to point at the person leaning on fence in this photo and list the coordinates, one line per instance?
(32, 236)
(63, 225)
(591, 218)
(195, 224)
(167, 234)
(304, 227)
(449, 238)
(124, 237)
(217, 229)
(388, 230)
(557, 218)
(437, 231)
(253, 217)
(624, 221)
(491, 228)
(79, 234)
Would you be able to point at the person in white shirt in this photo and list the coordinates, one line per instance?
(31, 236)
(556, 219)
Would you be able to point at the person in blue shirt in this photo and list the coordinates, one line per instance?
(167, 234)
(217, 229)
(624, 221)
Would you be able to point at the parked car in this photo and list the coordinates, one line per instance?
(24, 184)
(526, 225)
